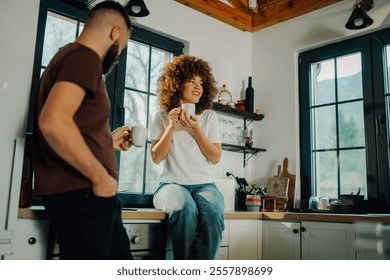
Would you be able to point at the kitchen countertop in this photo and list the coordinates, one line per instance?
(154, 214)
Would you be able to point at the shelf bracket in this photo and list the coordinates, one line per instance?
(246, 159)
(246, 125)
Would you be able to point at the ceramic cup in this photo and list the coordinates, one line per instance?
(138, 136)
(189, 108)
(323, 204)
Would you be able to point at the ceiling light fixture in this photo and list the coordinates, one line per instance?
(137, 8)
(252, 4)
(359, 19)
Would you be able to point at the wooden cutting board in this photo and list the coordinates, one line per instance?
(291, 185)
(278, 185)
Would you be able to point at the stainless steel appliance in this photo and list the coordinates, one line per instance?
(148, 240)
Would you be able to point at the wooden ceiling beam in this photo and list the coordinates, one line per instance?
(282, 10)
(222, 12)
(269, 12)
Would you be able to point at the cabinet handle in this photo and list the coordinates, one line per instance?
(303, 229)
(32, 240)
(295, 231)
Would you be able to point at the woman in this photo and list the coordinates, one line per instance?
(188, 145)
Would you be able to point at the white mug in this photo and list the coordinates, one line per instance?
(323, 203)
(138, 135)
(189, 108)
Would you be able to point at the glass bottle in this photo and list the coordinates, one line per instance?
(249, 96)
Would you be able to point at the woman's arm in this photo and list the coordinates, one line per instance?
(161, 147)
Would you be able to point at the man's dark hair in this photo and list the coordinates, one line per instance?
(115, 6)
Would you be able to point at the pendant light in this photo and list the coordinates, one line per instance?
(137, 8)
(359, 19)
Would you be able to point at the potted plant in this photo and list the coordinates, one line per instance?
(253, 196)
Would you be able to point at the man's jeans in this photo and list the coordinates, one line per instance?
(196, 219)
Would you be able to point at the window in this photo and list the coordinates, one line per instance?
(344, 105)
(131, 88)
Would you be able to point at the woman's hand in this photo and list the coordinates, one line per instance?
(121, 138)
(174, 116)
(187, 121)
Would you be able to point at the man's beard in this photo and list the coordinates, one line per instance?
(110, 58)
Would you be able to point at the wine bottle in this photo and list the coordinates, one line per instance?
(249, 96)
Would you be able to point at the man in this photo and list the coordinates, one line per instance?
(74, 159)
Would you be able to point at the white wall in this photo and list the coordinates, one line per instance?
(275, 77)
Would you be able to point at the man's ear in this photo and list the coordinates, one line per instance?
(115, 31)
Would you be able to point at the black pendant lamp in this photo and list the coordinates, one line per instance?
(137, 8)
(359, 18)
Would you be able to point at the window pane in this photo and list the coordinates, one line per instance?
(349, 77)
(326, 174)
(153, 109)
(351, 125)
(130, 176)
(59, 32)
(153, 172)
(135, 104)
(353, 172)
(159, 59)
(323, 82)
(137, 66)
(324, 128)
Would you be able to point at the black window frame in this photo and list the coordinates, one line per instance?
(371, 47)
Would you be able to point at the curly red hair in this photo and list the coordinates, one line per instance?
(175, 74)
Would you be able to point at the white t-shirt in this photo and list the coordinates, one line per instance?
(185, 164)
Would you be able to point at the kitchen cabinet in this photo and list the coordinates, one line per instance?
(245, 239)
(281, 240)
(308, 241)
(247, 117)
(29, 241)
(328, 241)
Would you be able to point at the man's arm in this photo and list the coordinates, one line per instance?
(61, 132)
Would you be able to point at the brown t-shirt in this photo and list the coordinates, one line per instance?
(80, 65)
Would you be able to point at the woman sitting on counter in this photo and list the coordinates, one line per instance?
(188, 145)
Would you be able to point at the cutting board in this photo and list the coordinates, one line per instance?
(278, 185)
(291, 185)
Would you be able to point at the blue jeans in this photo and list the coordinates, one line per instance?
(196, 219)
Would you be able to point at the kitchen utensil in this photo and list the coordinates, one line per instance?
(291, 184)
(277, 185)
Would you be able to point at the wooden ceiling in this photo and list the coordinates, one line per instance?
(268, 12)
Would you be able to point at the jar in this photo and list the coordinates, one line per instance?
(240, 105)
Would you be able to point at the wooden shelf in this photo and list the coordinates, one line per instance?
(241, 149)
(240, 113)
(248, 152)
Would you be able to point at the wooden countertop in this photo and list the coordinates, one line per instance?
(153, 214)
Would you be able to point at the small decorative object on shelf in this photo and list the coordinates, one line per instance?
(248, 139)
(249, 96)
(240, 105)
(225, 97)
